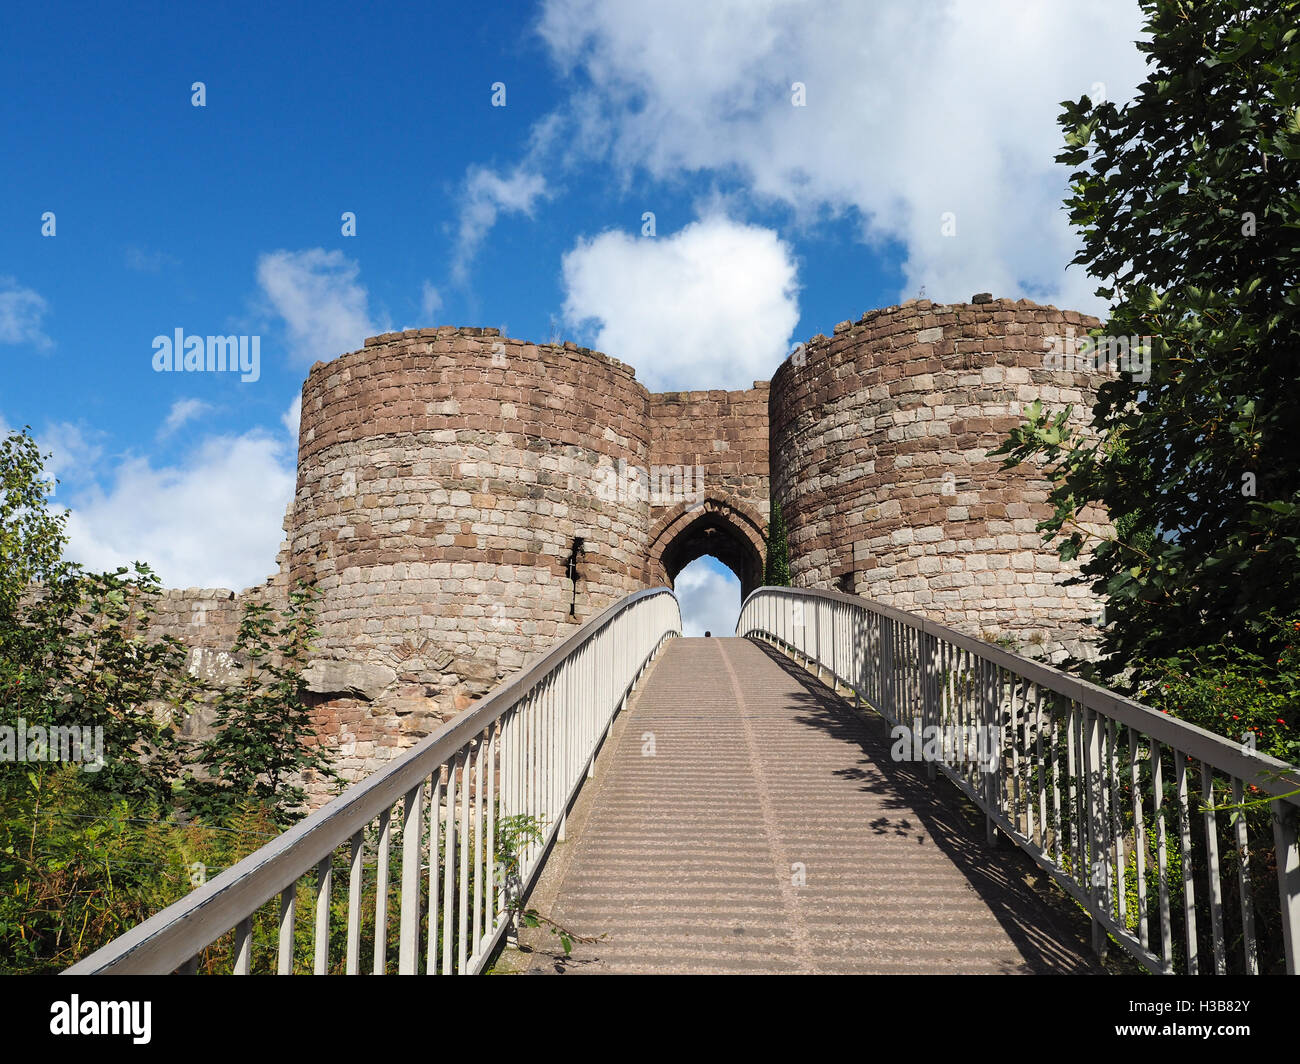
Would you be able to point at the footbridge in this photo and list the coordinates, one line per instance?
(841, 787)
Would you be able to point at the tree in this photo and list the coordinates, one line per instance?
(777, 572)
(1188, 206)
(74, 649)
(265, 740)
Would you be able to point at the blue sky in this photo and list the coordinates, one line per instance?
(772, 220)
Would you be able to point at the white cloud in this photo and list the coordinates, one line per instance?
(710, 598)
(144, 261)
(912, 111)
(292, 417)
(711, 306)
(324, 306)
(21, 311)
(182, 410)
(213, 521)
(487, 194)
(430, 304)
(74, 454)
(69, 452)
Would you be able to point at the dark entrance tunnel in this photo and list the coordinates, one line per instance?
(713, 533)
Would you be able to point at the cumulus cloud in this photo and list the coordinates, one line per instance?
(430, 304)
(21, 312)
(182, 410)
(319, 296)
(212, 521)
(711, 306)
(292, 418)
(913, 112)
(710, 598)
(486, 195)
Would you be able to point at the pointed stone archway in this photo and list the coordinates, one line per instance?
(727, 530)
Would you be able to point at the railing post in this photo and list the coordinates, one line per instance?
(887, 668)
(1097, 850)
(1288, 878)
(993, 772)
(408, 934)
(929, 711)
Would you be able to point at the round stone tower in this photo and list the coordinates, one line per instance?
(450, 511)
(879, 441)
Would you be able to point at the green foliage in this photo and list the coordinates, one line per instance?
(79, 867)
(74, 650)
(31, 538)
(514, 834)
(265, 740)
(777, 573)
(1186, 200)
(1237, 693)
(89, 851)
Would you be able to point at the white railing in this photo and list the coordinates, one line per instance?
(1090, 784)
(521, 752)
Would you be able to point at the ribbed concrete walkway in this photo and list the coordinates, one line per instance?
(687, 860)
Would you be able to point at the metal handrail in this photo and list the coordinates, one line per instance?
(535, 739)
(1051, 777)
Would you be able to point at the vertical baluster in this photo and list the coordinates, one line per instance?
(408, 932)
(381, 894)
(525, 790)
(354, 904)
(1162, 860)
(288, 908)
(1139, 838)
(546, 773)
(1096, 848)
(462, 913)
(929, 711)
(1185, 841)
(1288, 879)
(1101, 780)
(1212, 870)
(324, 881)
(1040, 767)
(1072, 805)
(1016, 818)
(1025, 740)
(1116, 824)
(537, 807)
(992, 726)
(479, 798)
(493, 900)
(1244, 885)
(449, 865)
(435, 870)
(244, 946)
(554, 739)
(1057, 835)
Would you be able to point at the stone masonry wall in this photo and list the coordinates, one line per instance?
(443, 478)
(445, 474)
(883, 476)
(723, 437)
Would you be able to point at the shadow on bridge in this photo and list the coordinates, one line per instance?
(1050, 933)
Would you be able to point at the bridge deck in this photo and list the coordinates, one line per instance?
(683, 860)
